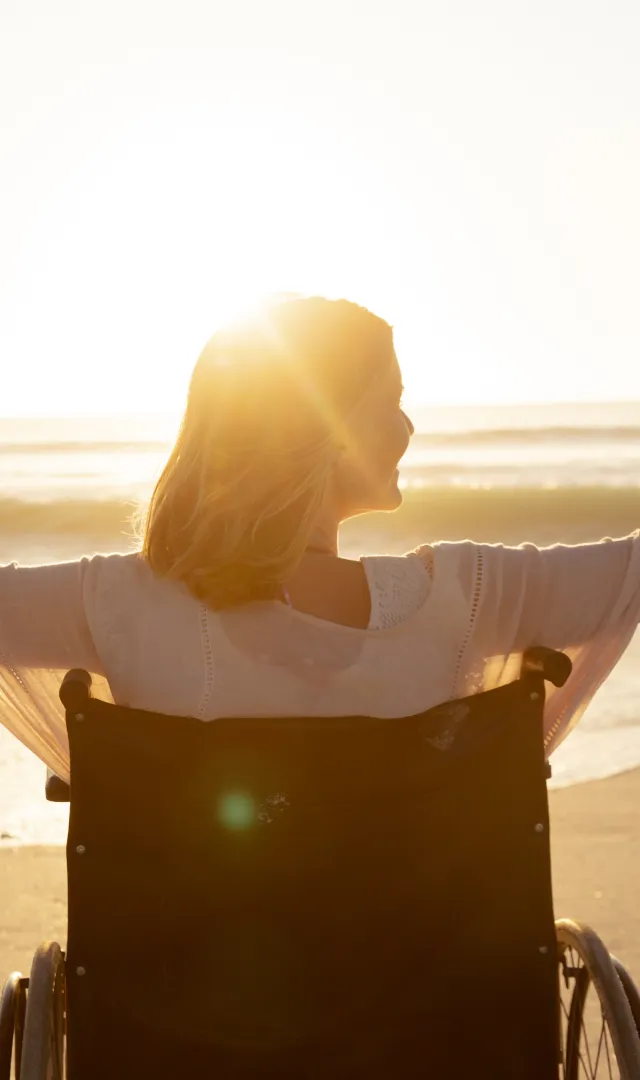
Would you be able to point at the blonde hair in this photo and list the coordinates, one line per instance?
(232, 511)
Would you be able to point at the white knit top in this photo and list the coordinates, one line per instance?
(446, 620)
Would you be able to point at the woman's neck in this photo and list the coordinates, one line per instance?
(323, 540)
(311, 549)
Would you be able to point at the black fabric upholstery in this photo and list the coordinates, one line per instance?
(311, 898)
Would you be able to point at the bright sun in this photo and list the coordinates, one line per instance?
(154, 230)
(150, 194)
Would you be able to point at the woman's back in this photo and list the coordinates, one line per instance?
(237, 603)
(444, 621)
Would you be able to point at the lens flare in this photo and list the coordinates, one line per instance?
(237, 810)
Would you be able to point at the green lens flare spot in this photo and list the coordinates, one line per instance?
(237, 810)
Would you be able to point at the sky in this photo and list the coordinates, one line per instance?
(469, 171)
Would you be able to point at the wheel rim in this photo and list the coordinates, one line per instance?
(589, 1049)
(43, 1045)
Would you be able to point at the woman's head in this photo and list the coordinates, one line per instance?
(291, 414)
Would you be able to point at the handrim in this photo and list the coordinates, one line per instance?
(43, 1048)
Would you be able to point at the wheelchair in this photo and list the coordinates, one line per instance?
(310, 897)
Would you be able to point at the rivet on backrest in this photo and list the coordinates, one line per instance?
(80, 849)
(79, 716)
(81, 971)
(534, 696)
(539, 827)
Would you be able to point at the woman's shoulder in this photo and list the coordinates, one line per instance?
(127, 573)
(121, 590)
(412, 565)
(118, 564)
(399, 585)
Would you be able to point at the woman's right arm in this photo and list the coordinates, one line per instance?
(44, 630)
(43, 620)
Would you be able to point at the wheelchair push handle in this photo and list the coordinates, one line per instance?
(55, 788)
(554, 667)
(75, 690)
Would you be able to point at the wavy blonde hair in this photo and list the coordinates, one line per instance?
(233, 509)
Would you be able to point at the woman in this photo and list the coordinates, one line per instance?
(238, 604)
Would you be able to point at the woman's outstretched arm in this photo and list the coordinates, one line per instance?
(44, 630)
(582, 599)
(43, 621)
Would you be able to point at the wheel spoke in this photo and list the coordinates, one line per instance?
(602, 1036)
(587, 1062)
(577, 964)
(606, 1046)
(586, 1042)
(588, 1072)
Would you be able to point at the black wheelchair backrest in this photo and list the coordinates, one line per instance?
(312, 896)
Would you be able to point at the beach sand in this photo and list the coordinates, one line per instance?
(596, 866)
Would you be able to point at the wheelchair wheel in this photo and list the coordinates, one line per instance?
(43, 1045)
(12, 1007)
(630, 989)
(600, 1039)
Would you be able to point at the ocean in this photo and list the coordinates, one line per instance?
(543, 473)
